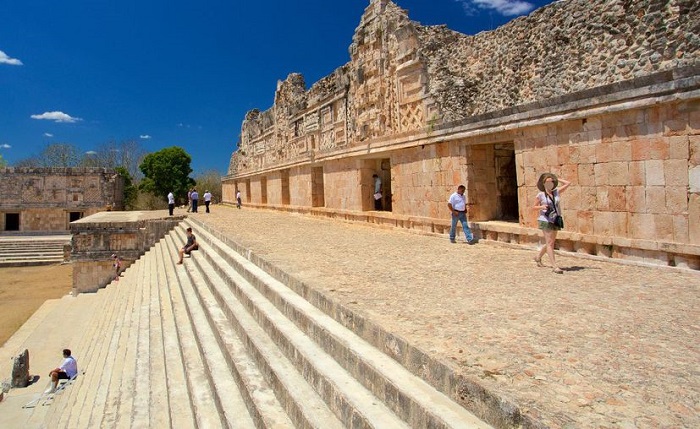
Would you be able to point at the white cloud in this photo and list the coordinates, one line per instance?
(5, 146)
(145, 136)
(91, 152)
(48, 135)
(5, 59)
(57, 117)
(504, 7)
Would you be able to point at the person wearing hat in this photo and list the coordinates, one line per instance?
(549, 219)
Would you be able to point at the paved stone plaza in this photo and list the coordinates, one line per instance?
(603, 345)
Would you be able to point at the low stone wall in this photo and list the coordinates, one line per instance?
(127, 234)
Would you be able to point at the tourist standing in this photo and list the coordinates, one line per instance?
(549, 219)
(171, 203)
(189, 200)
(195, 200)
(458, 207)
(189, 246)
(207, 199)
(377, 192)
(238, 199)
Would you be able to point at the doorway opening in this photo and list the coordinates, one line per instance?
(285, 187)
(317, 198)
(73, 216)
(492, 183)
(263, 190)
(11, 221)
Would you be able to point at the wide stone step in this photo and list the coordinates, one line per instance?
(410, 397)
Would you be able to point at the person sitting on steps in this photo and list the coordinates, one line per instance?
(189, 246)
(67, 370)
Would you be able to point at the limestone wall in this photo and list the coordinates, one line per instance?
(44, 197)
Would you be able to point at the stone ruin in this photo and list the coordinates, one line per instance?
(609, 100)
(20, 370)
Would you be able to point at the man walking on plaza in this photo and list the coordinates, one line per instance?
(207, 200)
(238, 199)
(195, 200)
(458, 207)
(171, 203)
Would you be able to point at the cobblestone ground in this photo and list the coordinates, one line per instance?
(604, 345)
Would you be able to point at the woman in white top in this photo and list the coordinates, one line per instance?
(548, 201)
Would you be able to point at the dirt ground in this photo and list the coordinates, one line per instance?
(24, 289)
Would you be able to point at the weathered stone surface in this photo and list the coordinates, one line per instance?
(20, 370)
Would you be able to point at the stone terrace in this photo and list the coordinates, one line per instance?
(603, 345)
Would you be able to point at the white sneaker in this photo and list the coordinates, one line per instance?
(50, 390)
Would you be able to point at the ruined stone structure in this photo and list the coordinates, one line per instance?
(48, 199)
(609, 100)
(127, 234)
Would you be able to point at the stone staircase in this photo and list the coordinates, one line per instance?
(17, 251)
(218, 342)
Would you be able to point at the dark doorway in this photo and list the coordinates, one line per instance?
(263, 190)
(11, 221)
(317, 197)
(506, 182)
(285, 187)
(73, 216)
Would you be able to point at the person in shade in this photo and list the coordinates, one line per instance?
(67, 370)
(549, 219)
(238, 199)
(458, 207)
(189, 246)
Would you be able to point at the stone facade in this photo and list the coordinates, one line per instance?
(48, 199)
(609, 101)
(127, 234)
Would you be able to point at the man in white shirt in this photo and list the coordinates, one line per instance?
(238, 199)
(171, 203)
(195, 200)
(458, 206)
(377, 192)
(207, 200)
(67, 370)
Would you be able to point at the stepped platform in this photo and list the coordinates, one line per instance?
(292, 321)
(32, 249)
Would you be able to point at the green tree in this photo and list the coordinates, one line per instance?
(209, 181)
(130, 191)
(167, 171)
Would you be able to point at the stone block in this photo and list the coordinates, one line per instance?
(20, 370)
(676, 126)
(601, 174)
(602, 202)
(694, 179)
(641, 226)
(680, 228)
(664, 227)
(586, 175)
(694, 150)
(588, 198)
(603, 223)
(603, 152)
(694, 213)
(659, 149)
(640, 149)
(676, 172)
(587, 154)
(637, 173)
(585, 222)
(621, 151)
(620, 221)
(655, 173)
(679, 147)
(676, 200)
(618, 173)
(636, 199)
(617, 198)
(656, 199)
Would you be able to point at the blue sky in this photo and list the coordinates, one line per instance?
(176, 72)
